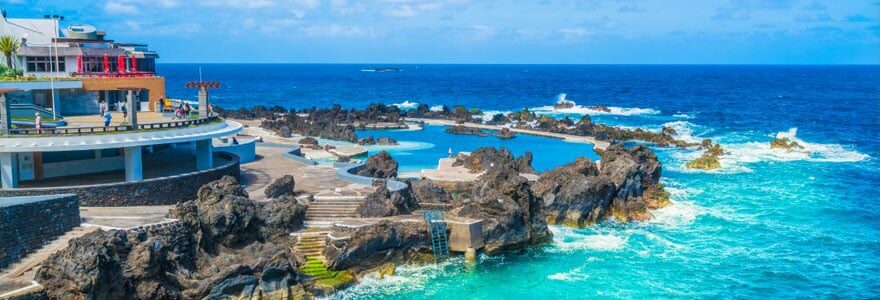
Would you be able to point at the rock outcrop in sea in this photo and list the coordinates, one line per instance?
(505, 134)
(580, 194)
(709, 159)
(227, 247)
(459, 129)
(785, 143)
(513, 216)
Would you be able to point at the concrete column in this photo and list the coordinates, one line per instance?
(9, 170)
(132, 109)
(5, 115)
(203, 102)
(134, 164)
(204, 154)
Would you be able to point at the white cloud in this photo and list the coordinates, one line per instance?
(481, 32)
(575, 33)
(119, 8)
(336, 30)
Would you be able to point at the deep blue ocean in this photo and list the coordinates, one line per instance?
(768, 224)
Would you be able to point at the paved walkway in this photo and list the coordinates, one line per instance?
(597, 144)
(272, 164)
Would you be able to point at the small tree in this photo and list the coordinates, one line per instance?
(8, 45)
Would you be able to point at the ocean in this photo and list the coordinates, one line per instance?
(768, 224)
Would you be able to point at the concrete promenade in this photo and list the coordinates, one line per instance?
(597, 144)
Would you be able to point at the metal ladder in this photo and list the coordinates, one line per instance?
(437, 229)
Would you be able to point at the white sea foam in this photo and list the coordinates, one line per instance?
(488, 114)
(760, 151)
(683, 116)
(406, 104)
(568, 239)
(684, 131)
(679, 213)
(585, 110)
(407, 278)
(437, 108)
(738, 156)
(574, 275)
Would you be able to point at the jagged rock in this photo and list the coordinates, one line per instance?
(221, 216)
(489, 157)
(632, 171)
(382, 141)
(282, 216)
(284, 186)
(308, 141)
(379, 243)
(785, 143)
(197, 260)
(461, 129)
(668, 130)
(426, 191)
(704, 162)
(513, 217)
(505, 134)
(384, 203)
(575, 194)
(601, 108)
(381, 165)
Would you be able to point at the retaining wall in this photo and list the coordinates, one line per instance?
(246, 150)
(347, 172)
(28, 223)
(157, 191)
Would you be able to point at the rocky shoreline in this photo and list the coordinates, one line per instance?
(340, 124)
(229, 246)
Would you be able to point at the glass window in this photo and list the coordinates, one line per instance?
(44, 63)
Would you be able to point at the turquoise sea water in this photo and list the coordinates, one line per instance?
(769, 224)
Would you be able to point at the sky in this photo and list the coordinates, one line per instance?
(485, 31)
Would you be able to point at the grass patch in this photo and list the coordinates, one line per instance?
(335, 279)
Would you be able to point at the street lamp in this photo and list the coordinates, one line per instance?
(53, 72)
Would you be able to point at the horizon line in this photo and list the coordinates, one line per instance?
(549, 64)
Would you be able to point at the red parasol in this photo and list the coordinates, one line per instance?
(120, 64)
(79, 63)
(106, 63)
(133, 64)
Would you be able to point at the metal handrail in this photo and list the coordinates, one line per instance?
(90, 130)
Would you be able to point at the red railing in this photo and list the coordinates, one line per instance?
(114, 74)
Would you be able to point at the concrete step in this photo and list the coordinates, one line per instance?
(335, 204)
(339, 198)
(329, 216)
(321, 224)
(330, 207)
(36, 258)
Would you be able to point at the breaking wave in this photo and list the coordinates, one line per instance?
(566, 106)
(407, 278)
(569, 239)
(406, 104)
(437, 108)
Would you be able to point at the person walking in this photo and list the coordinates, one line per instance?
(210, 110)
(38, 122)
(167, 104)
(178, 114)
(124, 111)
(103, 108)
(107, 117)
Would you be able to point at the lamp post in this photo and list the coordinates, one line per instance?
(53, 72)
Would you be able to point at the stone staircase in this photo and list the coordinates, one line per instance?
(324, 210)
(311, 244)
(34, 259)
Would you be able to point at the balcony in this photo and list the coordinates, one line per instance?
(136, 74)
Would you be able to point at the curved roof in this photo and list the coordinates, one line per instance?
(118, 140)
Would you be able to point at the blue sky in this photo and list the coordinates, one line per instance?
(486, 31)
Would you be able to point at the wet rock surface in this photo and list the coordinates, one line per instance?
(381, 165)
(505, 134)
(227, 246)
(373, 245)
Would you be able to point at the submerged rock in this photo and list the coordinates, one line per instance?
(785, 143)
(461, 129)
(381, 165)
(382, 141)
(505, 134)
